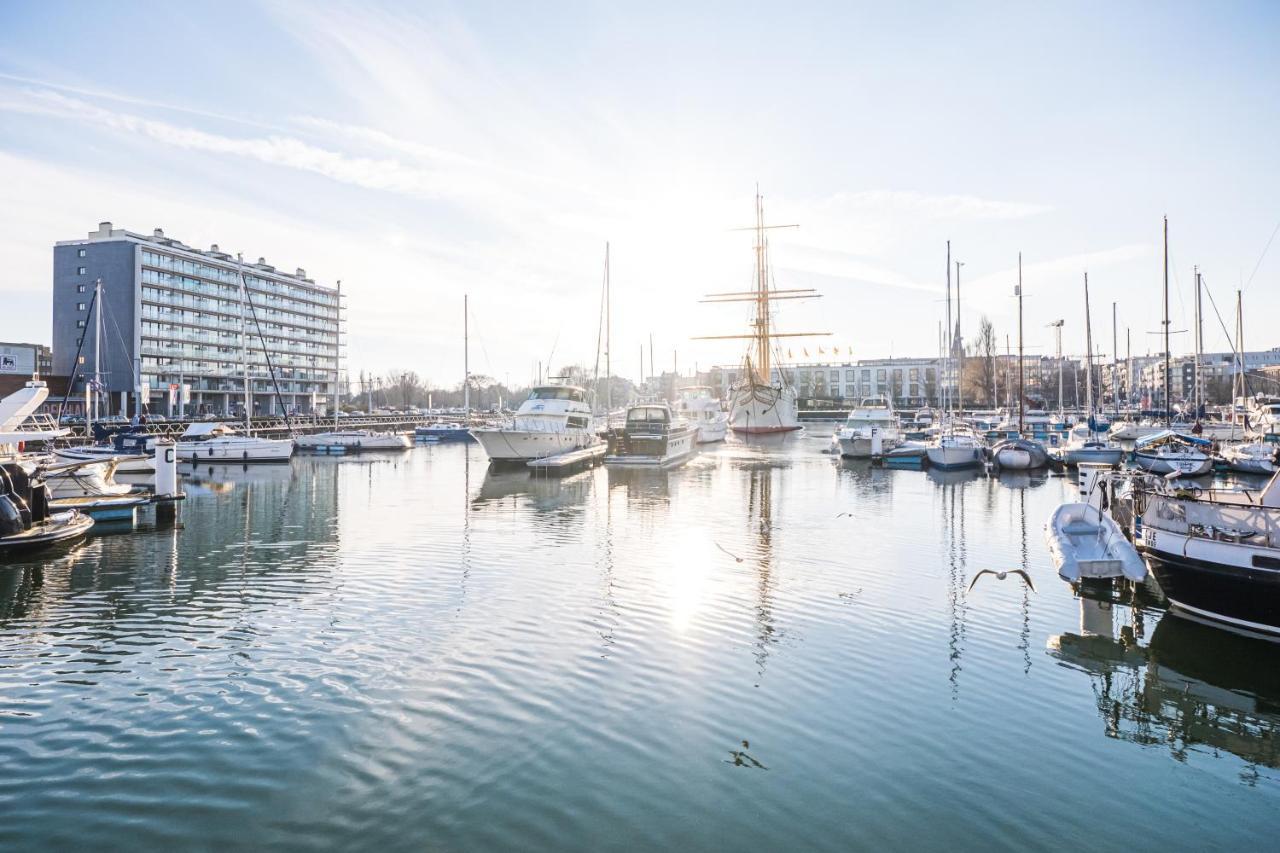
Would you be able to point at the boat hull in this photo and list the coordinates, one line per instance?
(378, 441)
(651, 451)
(1187, 466)
(236, 449)
(758, 409)
(124, 466)
(1242, 596)
(506, 445)
(59, 527)
(954, 458)
(1081, 456)
(859, 447)
(710, 433)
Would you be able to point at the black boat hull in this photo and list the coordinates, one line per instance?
(1237, 595)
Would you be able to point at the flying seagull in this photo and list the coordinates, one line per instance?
(730, 553)
(1001, 576)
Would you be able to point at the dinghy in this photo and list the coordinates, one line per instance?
(1086, 543)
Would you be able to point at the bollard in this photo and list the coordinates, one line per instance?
(166, 468)
(877, 442)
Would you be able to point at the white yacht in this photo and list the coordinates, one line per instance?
(1167, 452)
(218, 442)
(699, 405)
(355, 439)
(873, 418)
(554, 419)
(1258, 457)
(1134, 430)
(955, 447)
(1264, 415)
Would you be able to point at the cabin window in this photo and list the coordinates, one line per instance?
(647, 414)
(556, 393)
(577, 423)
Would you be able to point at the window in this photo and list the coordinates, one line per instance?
(835, 377)
(79, 288)
(882, 375)
(80, 306)
(80, 253)
(80, 270)
(866, 377)
(80, 324)
(79, 342)
(849, 375)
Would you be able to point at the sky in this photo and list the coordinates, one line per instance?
(420, 152)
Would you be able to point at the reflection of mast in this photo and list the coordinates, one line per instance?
(956, 558)
(1024, 637)
(760, 368)
(760, 511)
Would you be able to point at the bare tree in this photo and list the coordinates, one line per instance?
(406, 384)
(987, 350)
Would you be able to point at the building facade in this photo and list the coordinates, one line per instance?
(177, 317)
(26, 360)
(906, 381)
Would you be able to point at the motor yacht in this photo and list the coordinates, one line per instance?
(26, 523)
(553, 419)
(699, 405)
(872, 419)
(443, 431)
(651, 435)
(218, 442)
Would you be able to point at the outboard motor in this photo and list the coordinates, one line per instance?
(15, 513)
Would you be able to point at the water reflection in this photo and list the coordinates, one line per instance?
(1193, 688)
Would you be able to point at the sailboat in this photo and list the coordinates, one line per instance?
(957, 445)
(350, 439)
(1244, 456)
(1085, 445)
(757, 402)
(1021, 453)
(1167, 452)
(219, 442)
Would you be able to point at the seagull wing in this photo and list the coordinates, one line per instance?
(1026, 577)
(978, 575)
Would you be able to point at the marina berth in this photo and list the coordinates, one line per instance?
(651, 435)
(553, 419)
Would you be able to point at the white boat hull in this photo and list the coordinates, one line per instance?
(954, 457)
(755, 408)
(1093, 455)
(355, 441)
(126, 465)
(713, 431)
(1188, 465)
(509, 445)
(859, 447)
(236, 448)
(1086, 543)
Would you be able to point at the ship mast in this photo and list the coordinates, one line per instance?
(760, 361)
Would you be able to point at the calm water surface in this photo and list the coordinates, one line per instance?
(763, 649)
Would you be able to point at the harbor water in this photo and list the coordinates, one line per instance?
(763, 649)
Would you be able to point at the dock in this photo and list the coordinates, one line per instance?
(564, 462)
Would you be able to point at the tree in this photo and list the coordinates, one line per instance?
(987, 349)
(406, 384)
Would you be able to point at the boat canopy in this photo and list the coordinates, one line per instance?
(15, 408)
(1168, 436)
(558, 392)
(205, 430)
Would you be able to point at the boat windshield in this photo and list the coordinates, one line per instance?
(647, 414)
(556, 392)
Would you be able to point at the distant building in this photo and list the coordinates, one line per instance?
(26, 360)
(907, 381)
(174, 315)
(1216, 368)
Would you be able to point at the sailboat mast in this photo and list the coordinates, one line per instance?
(466, 359)
(950, 367)
(337, 358)
(608, 346)
(1088, 358)
(1168, 403)
(244, 348)
(1021, 378)
(763, 366)
(1240, 343)
(97, 350)
(1199, 347)
(1115, 364)
(959, 343)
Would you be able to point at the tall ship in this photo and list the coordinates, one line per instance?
(760, 402)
